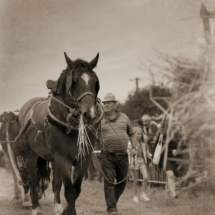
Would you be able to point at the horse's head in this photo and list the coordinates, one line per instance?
(8, 117)
(9, 122)
(78, 85)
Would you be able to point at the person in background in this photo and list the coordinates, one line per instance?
(138, 163)
(150, 132)
(175, 146)
(150, 129)
(116, 131)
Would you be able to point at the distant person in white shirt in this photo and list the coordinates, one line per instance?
(138, 163)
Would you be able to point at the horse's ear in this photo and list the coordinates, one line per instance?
(94, 62)
(69, 61)
(13, 116)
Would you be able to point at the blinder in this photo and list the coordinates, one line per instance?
(56, 86)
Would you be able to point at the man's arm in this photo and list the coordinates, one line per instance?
(133, 140)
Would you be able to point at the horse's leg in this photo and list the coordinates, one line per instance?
(25, 181)
(21, 164)
(56, 187)
(31, 166)
(78, 174)
(43, 176)
(70, 192)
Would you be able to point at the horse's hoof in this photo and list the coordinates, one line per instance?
(58, 209)
(17, 198)
(26, 204)
(36, 211)
(69, 210)
(40, 194)
(42, 187)
(27, 201)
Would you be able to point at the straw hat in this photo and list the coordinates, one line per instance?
(109, 97)
(146, 118)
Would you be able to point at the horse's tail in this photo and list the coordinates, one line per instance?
(43, 173)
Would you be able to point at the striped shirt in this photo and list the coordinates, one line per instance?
(116, 133)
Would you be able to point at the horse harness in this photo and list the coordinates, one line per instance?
(72, 117)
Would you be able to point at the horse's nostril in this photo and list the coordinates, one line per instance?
(86, 117)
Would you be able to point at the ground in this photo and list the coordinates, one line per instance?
(91, 201)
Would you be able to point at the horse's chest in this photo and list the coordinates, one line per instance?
(62, 142)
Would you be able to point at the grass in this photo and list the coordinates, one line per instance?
(91, 201)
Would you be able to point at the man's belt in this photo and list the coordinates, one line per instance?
(115, 153)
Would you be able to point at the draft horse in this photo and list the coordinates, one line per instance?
(8, 132)
(51, 130)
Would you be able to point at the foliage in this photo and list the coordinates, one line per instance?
(139, 103)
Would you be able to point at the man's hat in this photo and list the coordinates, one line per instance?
(109, 97)
(146, 118)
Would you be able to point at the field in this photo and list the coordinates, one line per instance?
(91, 201)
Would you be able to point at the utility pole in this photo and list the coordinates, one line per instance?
(206, 15)
(136, 82)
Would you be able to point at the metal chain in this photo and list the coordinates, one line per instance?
(39, 132)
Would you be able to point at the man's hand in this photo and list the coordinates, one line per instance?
(134, 151)
(149, 155)
(174, 152)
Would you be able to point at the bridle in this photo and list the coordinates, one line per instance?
(74, 113)
(76, 100)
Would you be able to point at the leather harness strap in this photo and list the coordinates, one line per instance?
(80, 97)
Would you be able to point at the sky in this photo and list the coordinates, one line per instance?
(36, 33)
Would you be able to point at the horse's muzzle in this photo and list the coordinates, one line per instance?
(89, 117)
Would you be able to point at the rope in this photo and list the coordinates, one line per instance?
(61, 103)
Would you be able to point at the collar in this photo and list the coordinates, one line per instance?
(115, 117)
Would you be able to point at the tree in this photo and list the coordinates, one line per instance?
(138, 103)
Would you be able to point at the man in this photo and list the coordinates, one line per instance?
(116, 130)
(150, 132)
(150, 129)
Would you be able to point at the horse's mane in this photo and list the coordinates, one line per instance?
(2, 131)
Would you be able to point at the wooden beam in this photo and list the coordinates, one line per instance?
(205, 15)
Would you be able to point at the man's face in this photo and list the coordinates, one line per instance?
(139, 135)
(109, 106)
(146, 123)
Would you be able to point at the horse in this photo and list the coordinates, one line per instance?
(62, 129)
(9, 124)
(9, 130)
